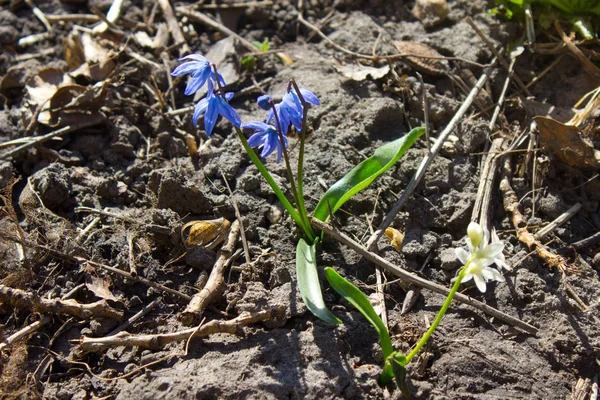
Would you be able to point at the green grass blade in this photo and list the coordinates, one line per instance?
(364, 173)
(358, 299)
(308, 282)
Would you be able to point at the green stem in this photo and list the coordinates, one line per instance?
(284, 201)
(440, 314)
(301, 205)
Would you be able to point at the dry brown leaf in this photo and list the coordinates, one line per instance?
(396, 237)
(100, 287)
(207, 233)
(41, 87)
(359, 72)
(566, 143)
(98, 59)
(159, 40)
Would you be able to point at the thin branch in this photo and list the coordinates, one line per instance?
(417, 280)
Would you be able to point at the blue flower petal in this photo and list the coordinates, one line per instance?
(197, 81)
(199, 110)
(228, 112)
(210, 118)
(257, 125)
(257, 139)
(310, 97)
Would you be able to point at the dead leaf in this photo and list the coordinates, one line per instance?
(359, 72)
(566, 143)
(159, 40)
(41, 87)
(396, 237)
(100, 287)
(98, 59)
(207, 233)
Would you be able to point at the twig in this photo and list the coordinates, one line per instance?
(163, 230)
(589, 66)
(545, 71)
(500, 102)
(223, 6)
(21, 333)
(113, 14)
(173, 26)
(131, 244)
(137, 316)
(560, 220)
(39, 14)
(486, 182)
(93, 119)
(416, 179)
(499, 57)
(138, 278)
(238, 215)
(587, 242)
(158, 341)
(25, 300)
(215, 25)
(425, 111)
(417, 280)
(512, 206)
(73, 18)
(216, 281)
(79, 238)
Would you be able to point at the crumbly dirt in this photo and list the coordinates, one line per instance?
(135, 163)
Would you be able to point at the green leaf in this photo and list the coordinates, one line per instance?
(358, 299)
(364, 173)
(308, 282)
(398, 363)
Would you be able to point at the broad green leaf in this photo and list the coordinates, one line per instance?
(364, 173)
(358, 299)
(398, 363)
(308, 282)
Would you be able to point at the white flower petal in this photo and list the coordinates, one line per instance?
(475, 233)
(489, 273)
(462, 255)
(480, 282)
(492, 250)
(467, 277)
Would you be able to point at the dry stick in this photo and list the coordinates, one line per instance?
(137, 279)
(417, 280)
(512, 206)
(486, 182)
(589, 66)
(425, 110)
(137, 316)
(238, 215)
(173, 26)
(545, 71)
(62, 131)
(131, 244)
(501, 59)
(24, 332)
(39, 14)
(79, 238)
(151, 227)
(235, 5)
(73, 18)
(215, 25)
(560, 220)
(414, 182)
(587, 242)
(22, 299)
(216, 281)
(158, 341)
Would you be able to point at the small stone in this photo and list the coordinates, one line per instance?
(274, 215)
(449, 260)
(431, 12)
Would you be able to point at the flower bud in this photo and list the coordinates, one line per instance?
(264, 102)
(475, 232)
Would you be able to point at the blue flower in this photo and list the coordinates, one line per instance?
(266, 136)
(264, 102)
(212, 106)
(290, 111)
(199, 69)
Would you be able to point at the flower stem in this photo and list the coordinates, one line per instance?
(284, 201)
(301, 205)
(440, 314)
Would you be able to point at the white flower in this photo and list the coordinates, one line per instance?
(481, 255)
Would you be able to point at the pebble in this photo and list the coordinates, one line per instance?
(431, 12)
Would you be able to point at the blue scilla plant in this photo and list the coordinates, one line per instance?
(271, 136)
